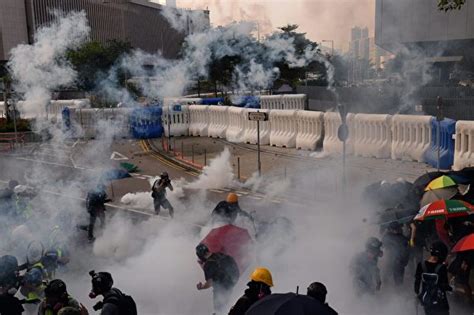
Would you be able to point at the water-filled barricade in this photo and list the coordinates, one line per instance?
(331, 142)
(446, 144)
(284, 127)
(310, 129)
(373, 135)
(98, 122)
(218, 121)
(236, 124)
(198, 120)
(250, 128)
(411, 137)
(177, 116)
(286, 101)
(170, 101)
(464, 149)
(145, 122)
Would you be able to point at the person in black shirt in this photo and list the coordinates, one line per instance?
(397, 252)
(220, 272)
(434, 268)
(95, 204)
(318, 291)
(158, 193)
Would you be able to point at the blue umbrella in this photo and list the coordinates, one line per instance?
(114, 174)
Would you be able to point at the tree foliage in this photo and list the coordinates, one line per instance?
(448, 5)
(93, 59)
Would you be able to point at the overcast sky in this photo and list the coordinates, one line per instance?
(320, 19)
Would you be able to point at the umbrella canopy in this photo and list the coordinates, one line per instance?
(441, 182)
(289, 303)
(444, 209)
(422, 181)
(233, 241)
(438, 194)
(465, 244)
(114, 174)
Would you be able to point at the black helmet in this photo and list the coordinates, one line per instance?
(164, 175)
(101, 282)
(373, 245)
(12, 184)
(55, 288)
(201, 251)
(318, 291)
(439, 249)
(8, 263)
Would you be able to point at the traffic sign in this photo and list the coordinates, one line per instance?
(176, 108)
(258, 116)
(343, 132)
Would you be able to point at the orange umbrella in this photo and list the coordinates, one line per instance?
(465, 244)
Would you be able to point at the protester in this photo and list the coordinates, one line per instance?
(365, 270)
(227, 210)
(159, 194)
(431, 281)
(397, 252)
(9, 283)
(460, 270)
(221, 274)
(114, 302)
(95, 204)
(259, 287)
(318, 291)
(57, 298)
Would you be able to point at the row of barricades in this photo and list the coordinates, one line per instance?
(93, 122)
(285, 101)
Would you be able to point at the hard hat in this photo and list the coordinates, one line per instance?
(373, 243)
(232, 198)
(318, 291)
(439, 249)
(262, 275)
(34, 277)
(201, 251)
(55, 288)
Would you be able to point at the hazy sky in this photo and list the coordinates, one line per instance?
(320, 19)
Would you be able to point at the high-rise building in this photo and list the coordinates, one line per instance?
(138, 21)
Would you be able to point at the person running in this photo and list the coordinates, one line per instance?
(95, 204)
(431, 281)
(221, 274)
(259, 287)
(158, 193)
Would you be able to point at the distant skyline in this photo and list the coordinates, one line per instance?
(320, 19)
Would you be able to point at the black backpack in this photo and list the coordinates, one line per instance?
(431, 294)
(229, 270)
(125, 303)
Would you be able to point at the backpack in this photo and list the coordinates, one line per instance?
(431, 294)
(230, 271)
(124, 302)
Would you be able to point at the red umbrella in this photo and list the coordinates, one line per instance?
(233, 241)
(465, 244)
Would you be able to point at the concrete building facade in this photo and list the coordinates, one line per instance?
(138, 21)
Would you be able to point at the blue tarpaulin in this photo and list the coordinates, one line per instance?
(247, 101)
(145, 122)
(212, 100)
(448, 129)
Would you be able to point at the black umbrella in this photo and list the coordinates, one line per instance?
(421, 182)
(289, 303)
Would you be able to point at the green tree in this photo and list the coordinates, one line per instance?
(94, 59)
(448, 5)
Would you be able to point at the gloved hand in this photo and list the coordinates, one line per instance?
(411, 243)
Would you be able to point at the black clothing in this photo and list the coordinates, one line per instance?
(222, 270)
(397, 253)
(366, 274)
(443, 283)
(158, 193)
(255, 292)
(95, 204)
(10, 305)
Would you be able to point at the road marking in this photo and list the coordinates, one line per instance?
(52, 163)
(117, 156)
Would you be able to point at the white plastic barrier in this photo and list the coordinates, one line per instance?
(464, 147)
(236, 124)
(310, 129)
(331, 143)
(178, 119)
(284, 127)
(373, 135)
(411, 137)
(250, 128)
(104, 122)
(286, 101)
(168, 101)
(218, 121)
(198, 120)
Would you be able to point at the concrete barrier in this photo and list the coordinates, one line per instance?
(331, 143)
(373, 135)
(446, 144)
(218, 121)
(198, 120)
(310, 129)
(411, 137)
(236, 124)
(284, 127)
(287, 101)
(464, 148)
(177, 116)
(250, 128)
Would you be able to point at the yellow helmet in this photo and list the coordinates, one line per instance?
(262, 275)
(232, 198)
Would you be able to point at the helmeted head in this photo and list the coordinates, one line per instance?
(35, 252)
(164, 175)
(232, 198)
(262, 275)
(374, 246)
(50, 259)
(318, 291)
(12, 184)
(440, 250)
(55, 291)
(34, 277)
(69, 311)
(102, 282)
(202, 251)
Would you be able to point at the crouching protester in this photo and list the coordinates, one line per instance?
(114, 302)
(57, 299)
